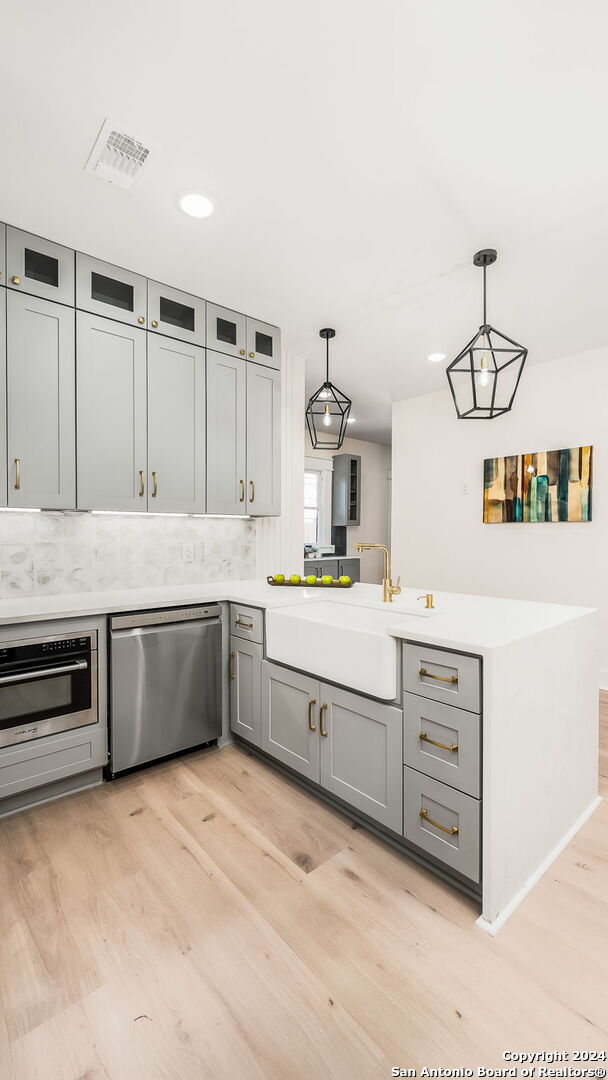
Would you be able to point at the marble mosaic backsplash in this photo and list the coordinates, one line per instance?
(78, 552)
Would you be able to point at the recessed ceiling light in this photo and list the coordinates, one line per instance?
(352, 420)
(196, 204)
(436, 357)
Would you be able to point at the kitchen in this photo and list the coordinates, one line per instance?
(298, 678)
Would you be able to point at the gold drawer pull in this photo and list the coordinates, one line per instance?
(245, 625)
(155, 488)
(17, 474)
(242, 498)
(142, 483)
(451, 832)
(252, 487)
(321, 729)
(440, 678)
(442, 746)
(231, 674)
(311, 726)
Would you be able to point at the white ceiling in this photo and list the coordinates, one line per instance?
(358, 154)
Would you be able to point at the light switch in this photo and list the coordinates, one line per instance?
(188, 552)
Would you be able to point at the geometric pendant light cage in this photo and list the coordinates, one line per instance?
(328, 409)
(484, 377)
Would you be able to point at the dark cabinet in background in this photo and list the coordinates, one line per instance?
(346, 490)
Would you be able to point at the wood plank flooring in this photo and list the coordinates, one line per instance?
(209, 919)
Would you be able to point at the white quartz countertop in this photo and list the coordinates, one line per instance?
(461, 621)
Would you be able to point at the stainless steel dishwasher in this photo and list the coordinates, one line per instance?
(165, 692)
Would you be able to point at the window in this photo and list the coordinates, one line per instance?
(312, 506)
(317, 500)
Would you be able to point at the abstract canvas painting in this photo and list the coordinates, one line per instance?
(552, 485)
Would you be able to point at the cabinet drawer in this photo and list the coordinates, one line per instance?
(443, 676)
(442, 742)
(110, 291)
(43, 761)
(247, 622)
(443, 822)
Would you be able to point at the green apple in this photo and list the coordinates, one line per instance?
(295, 579)
(344, 580)
(327, 579)
(279, 578)
(311, 580)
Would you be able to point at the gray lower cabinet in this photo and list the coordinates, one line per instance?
(263, 441)
(176, 426)
(361, 748)
(443, 675)
(226, 434)
(3, 462)
(443, 822)
(40, 403)
(39, 267)
(44, 761)
(321, 567)
(350, 568)
(246, 689)
(290, 731)
(111, 413)
(443, 742)
(108, 290)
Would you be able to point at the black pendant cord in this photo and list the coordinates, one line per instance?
(485, 320)
(326, 360)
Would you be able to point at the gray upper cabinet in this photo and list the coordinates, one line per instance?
(39, 267)
(361, 748)
(346, 490)
(246, 689)
(290, 719)
(263, 440)
(226, 434)
(2, 254)
(3, 468)
(176, 426)
(226, 331)
(109, 290)
(111, 411)
(41, 403)
(263, 343)
(176, 314)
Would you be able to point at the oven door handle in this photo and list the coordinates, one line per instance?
(26, 676)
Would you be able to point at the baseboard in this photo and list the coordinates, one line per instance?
(500, 920)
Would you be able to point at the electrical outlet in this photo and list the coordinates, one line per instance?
(465, 488)
(188, 552)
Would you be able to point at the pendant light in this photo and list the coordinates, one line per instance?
(327, 410)
(484, 377)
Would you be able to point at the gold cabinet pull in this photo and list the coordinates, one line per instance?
(242, 352)
(17, 473)
(141, 320)
(242, 498)
(155, 485)
(16, 280)
(442, 746)
(142, 483)
(252, 491)
(154, 323)
(245, 625)
(322, 730)
(451, 832)
(251, 355)
(439, 678)
(311, 726)
(231, 674)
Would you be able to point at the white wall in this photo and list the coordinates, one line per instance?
(438, 536)
(375, 501)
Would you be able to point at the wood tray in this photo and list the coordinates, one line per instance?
(318, 584)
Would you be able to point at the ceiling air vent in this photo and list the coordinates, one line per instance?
(116, 156)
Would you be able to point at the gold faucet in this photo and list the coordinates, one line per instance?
(388, 589)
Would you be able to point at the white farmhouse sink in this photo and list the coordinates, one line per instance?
(337, 641)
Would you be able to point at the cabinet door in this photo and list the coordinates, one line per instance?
(41, 403)
(111, 411)
(263, 441)
(346, 490)
(176, 314)
(2, 254)
(263, 343)
(350, 568)
(111, 291)
(39, 267)
(176, 426)
(361, 747)
(3, 463)
(226, 331)
(290, 731)
(246, 689)
(226, 390)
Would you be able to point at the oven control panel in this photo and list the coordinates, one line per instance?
(43, 648)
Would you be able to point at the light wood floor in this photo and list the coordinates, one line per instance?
(208, 919)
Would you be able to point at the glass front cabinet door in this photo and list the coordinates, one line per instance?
(175, 314)
(109, 290)
(39, 267)
(226, 331)
(263, 343)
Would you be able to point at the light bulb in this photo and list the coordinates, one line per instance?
(327, 416)
(324, 394)
(483, 377)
